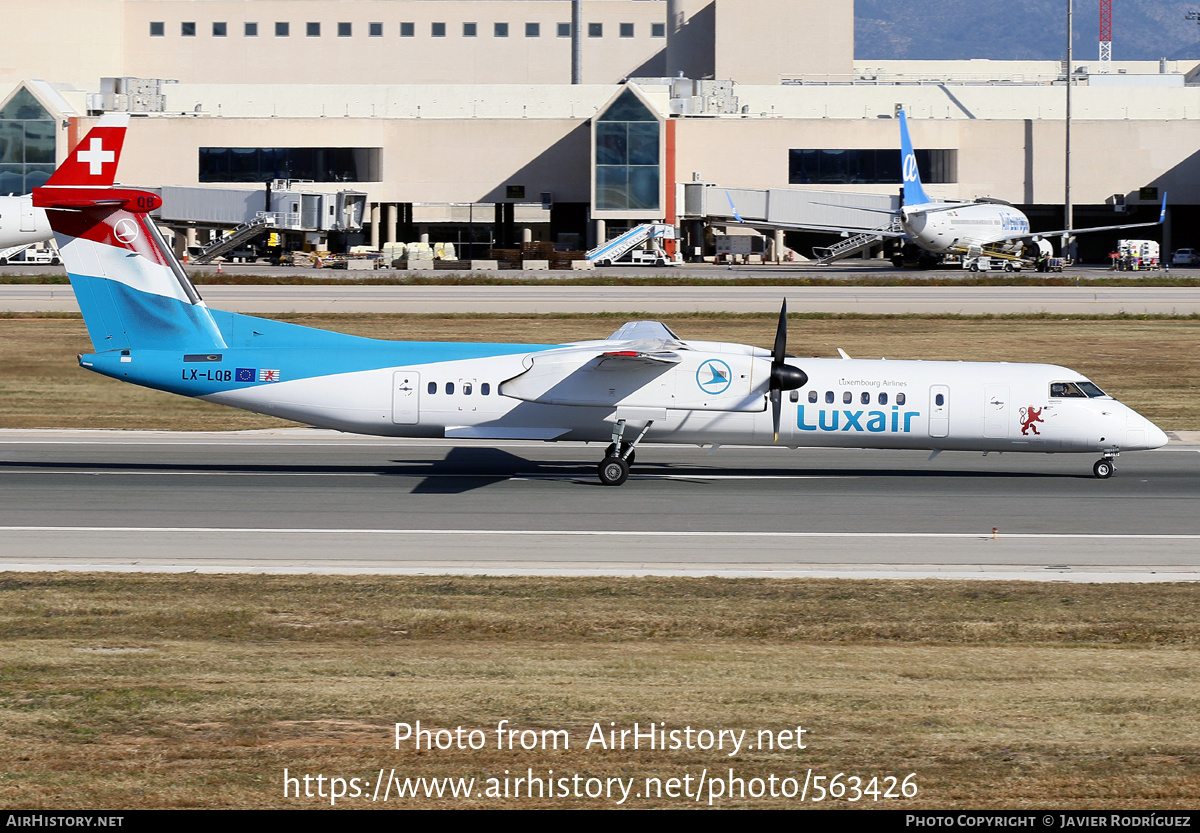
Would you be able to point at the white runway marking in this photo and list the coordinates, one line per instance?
(611, 533)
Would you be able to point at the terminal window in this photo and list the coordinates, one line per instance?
(564, 30)
(407, 30)
(157, 29)
(437, 30)
(595, 30)
(251, 30)
(627, 156)
(658, 30)
(27, 137)
(869, 166)
(188, 29)
(375, 30)
(312, 30)
(344, 30)
(281, 30)
(470, 30)
(219, 30)
(627, 30)
(319, 164)
(500, 30)
(533, 30)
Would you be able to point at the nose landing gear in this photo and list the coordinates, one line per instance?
(1104, 467)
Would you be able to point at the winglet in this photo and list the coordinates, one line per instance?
(733, 207)
(93, 162)
(914, 192)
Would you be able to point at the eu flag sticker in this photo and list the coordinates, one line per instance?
(246, 374)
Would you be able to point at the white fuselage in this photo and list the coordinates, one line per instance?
(947, 227)
(21, 223)
(845, 403)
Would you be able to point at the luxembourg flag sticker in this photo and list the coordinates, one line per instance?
(268, 375)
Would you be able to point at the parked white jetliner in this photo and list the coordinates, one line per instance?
(642, 384)
(21, 223)
(978, 227)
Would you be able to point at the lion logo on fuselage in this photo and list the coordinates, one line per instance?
(1029, 416)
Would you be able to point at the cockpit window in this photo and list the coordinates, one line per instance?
(1075, 390)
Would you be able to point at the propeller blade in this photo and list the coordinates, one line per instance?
(781, 335)
(776, 407)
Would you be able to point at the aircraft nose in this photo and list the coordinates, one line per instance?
(1155, 436)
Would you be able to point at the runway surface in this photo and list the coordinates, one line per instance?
(306, 501)
(1064, 300)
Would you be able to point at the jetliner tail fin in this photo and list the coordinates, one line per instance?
(914, 192)
(94, 161)
(132, 291)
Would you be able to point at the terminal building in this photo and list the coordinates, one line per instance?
(485, 122)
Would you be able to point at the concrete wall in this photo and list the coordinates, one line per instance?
(758, 41)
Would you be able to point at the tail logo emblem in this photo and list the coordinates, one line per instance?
(126, 231)
(910, 168)
(96, 156)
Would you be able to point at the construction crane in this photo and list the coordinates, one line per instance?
(1105, 36)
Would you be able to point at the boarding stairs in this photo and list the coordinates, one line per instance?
(621, 245)
(8, 254)
(853, 245)
(242, 234)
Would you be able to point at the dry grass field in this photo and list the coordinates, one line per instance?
(198, 691)
(1152, 365)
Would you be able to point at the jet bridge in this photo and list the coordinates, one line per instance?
(795, 207)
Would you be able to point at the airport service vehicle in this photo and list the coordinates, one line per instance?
(643, 383)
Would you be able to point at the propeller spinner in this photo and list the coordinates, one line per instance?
(783, 376)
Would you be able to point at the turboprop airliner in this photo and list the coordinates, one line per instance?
(643, 384)
(984, 226)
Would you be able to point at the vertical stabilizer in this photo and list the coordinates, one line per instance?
(132, 291)
(914, 192)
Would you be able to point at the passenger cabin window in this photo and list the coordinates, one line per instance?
(449, 388)
(466, 388)
(432, 387)
(899, 399)
(812, 397)
(865, 398)
(795, 396)
(828, 397)
(847, 397)
(883, 399)
(485, 389)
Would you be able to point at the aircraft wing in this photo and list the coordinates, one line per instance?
(1162, 217)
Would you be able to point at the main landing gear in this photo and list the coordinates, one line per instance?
(619, 456)
(1104, 467)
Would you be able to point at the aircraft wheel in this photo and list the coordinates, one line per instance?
(1103, 469)
(613, 471)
